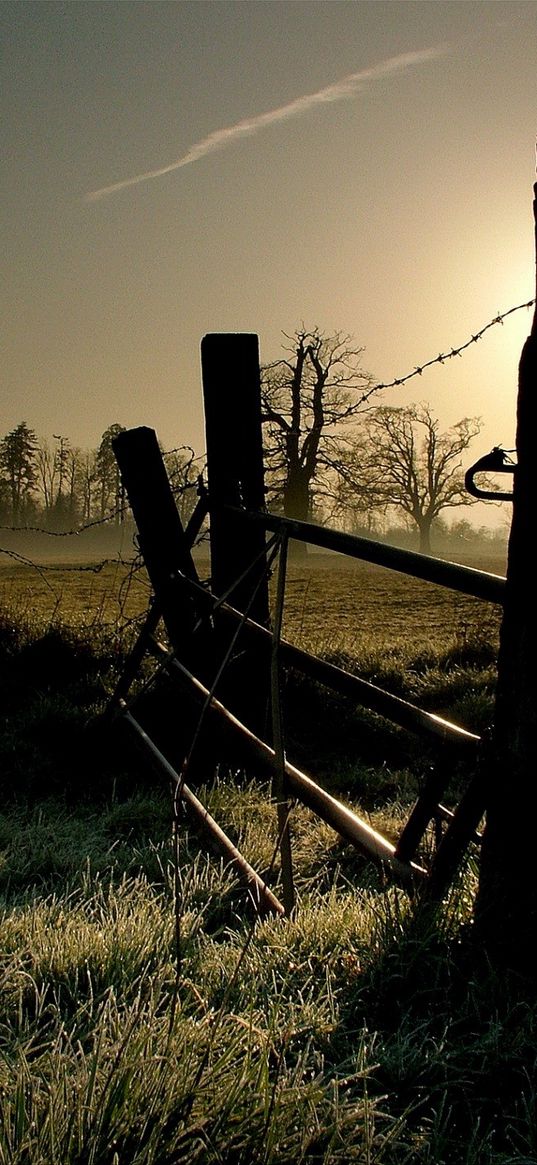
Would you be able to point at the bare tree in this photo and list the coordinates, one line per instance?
(86, 482)
(46, 469)
(73, 483)
(60, 481)
(61, 460)
(402, 460)
(309, 398)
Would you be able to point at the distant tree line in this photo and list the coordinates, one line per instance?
(330, 456)
(59, 486)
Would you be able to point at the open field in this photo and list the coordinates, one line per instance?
(339, 605)
(82, 595)
(332, 604)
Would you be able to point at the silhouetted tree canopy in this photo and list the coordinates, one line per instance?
(106, 474)
(309, 397)
(401, 460)
(18, 470)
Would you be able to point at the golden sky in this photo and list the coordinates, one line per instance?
(172, 169)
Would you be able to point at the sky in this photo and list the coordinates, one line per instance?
(172, 169)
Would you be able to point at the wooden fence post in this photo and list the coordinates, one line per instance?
(506, 907)
(161, 535)
(235, 476)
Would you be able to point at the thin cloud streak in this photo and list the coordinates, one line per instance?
(218, 140)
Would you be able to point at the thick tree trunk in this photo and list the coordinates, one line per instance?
(506, 907)
(425, 538)
(297, 505)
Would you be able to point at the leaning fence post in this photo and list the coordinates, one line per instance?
(162, 541)
(235, 478)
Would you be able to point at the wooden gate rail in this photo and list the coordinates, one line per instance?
(479, 584)
(364, 692)
(462, 827)
(463, 824)
(343, 820)
(262, 897)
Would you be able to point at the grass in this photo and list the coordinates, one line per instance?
(335, 604)
(90, 598)
(361, 1030)
(331, 603)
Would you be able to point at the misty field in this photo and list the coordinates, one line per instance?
(145, 1017)
(332, 604)
(335, 605)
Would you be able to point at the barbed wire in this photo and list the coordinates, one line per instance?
(22, 560)
(68, 533)
(180, 449)
(443, 356)
(115, 628)
(66, 568)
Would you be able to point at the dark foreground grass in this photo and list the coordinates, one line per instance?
(361, 1030)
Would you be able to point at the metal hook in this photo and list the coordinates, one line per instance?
(497, 461)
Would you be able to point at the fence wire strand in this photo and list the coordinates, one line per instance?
(447, 355)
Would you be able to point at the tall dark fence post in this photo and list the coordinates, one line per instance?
(235, 476)
(161, 535)
(506, 908)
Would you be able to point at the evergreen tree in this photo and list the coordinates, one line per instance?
(18, 470)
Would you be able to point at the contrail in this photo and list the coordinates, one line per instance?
(220, 138)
